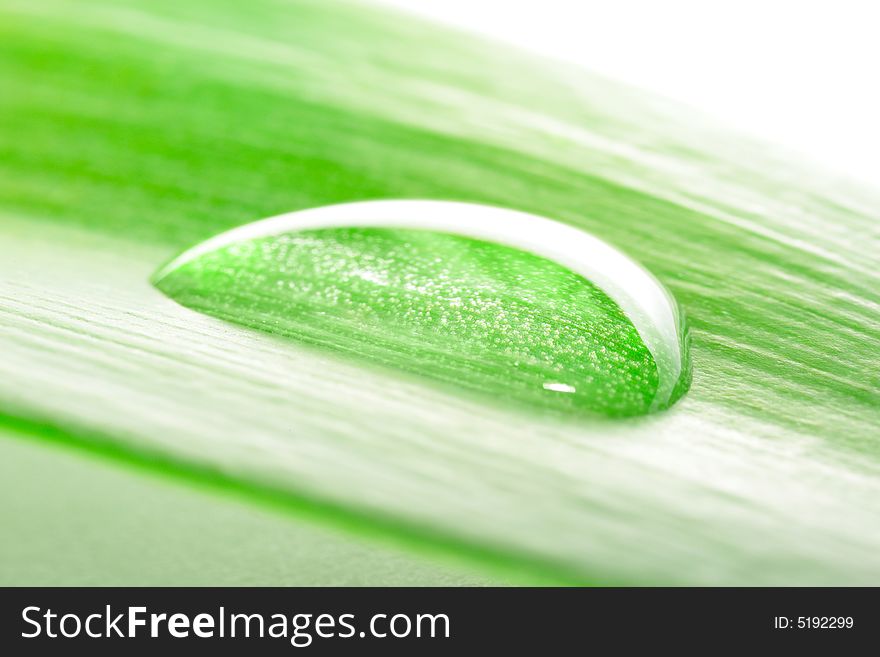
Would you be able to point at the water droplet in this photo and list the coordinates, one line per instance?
(501, 303)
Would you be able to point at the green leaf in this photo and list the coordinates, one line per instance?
(132, 130)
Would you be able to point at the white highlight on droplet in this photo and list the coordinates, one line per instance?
(559, 387)
(639, 295)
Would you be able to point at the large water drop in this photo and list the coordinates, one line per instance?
(500, 303)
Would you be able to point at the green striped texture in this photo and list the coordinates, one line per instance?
(133, 130)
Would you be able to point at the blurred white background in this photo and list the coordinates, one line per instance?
(803, 74)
